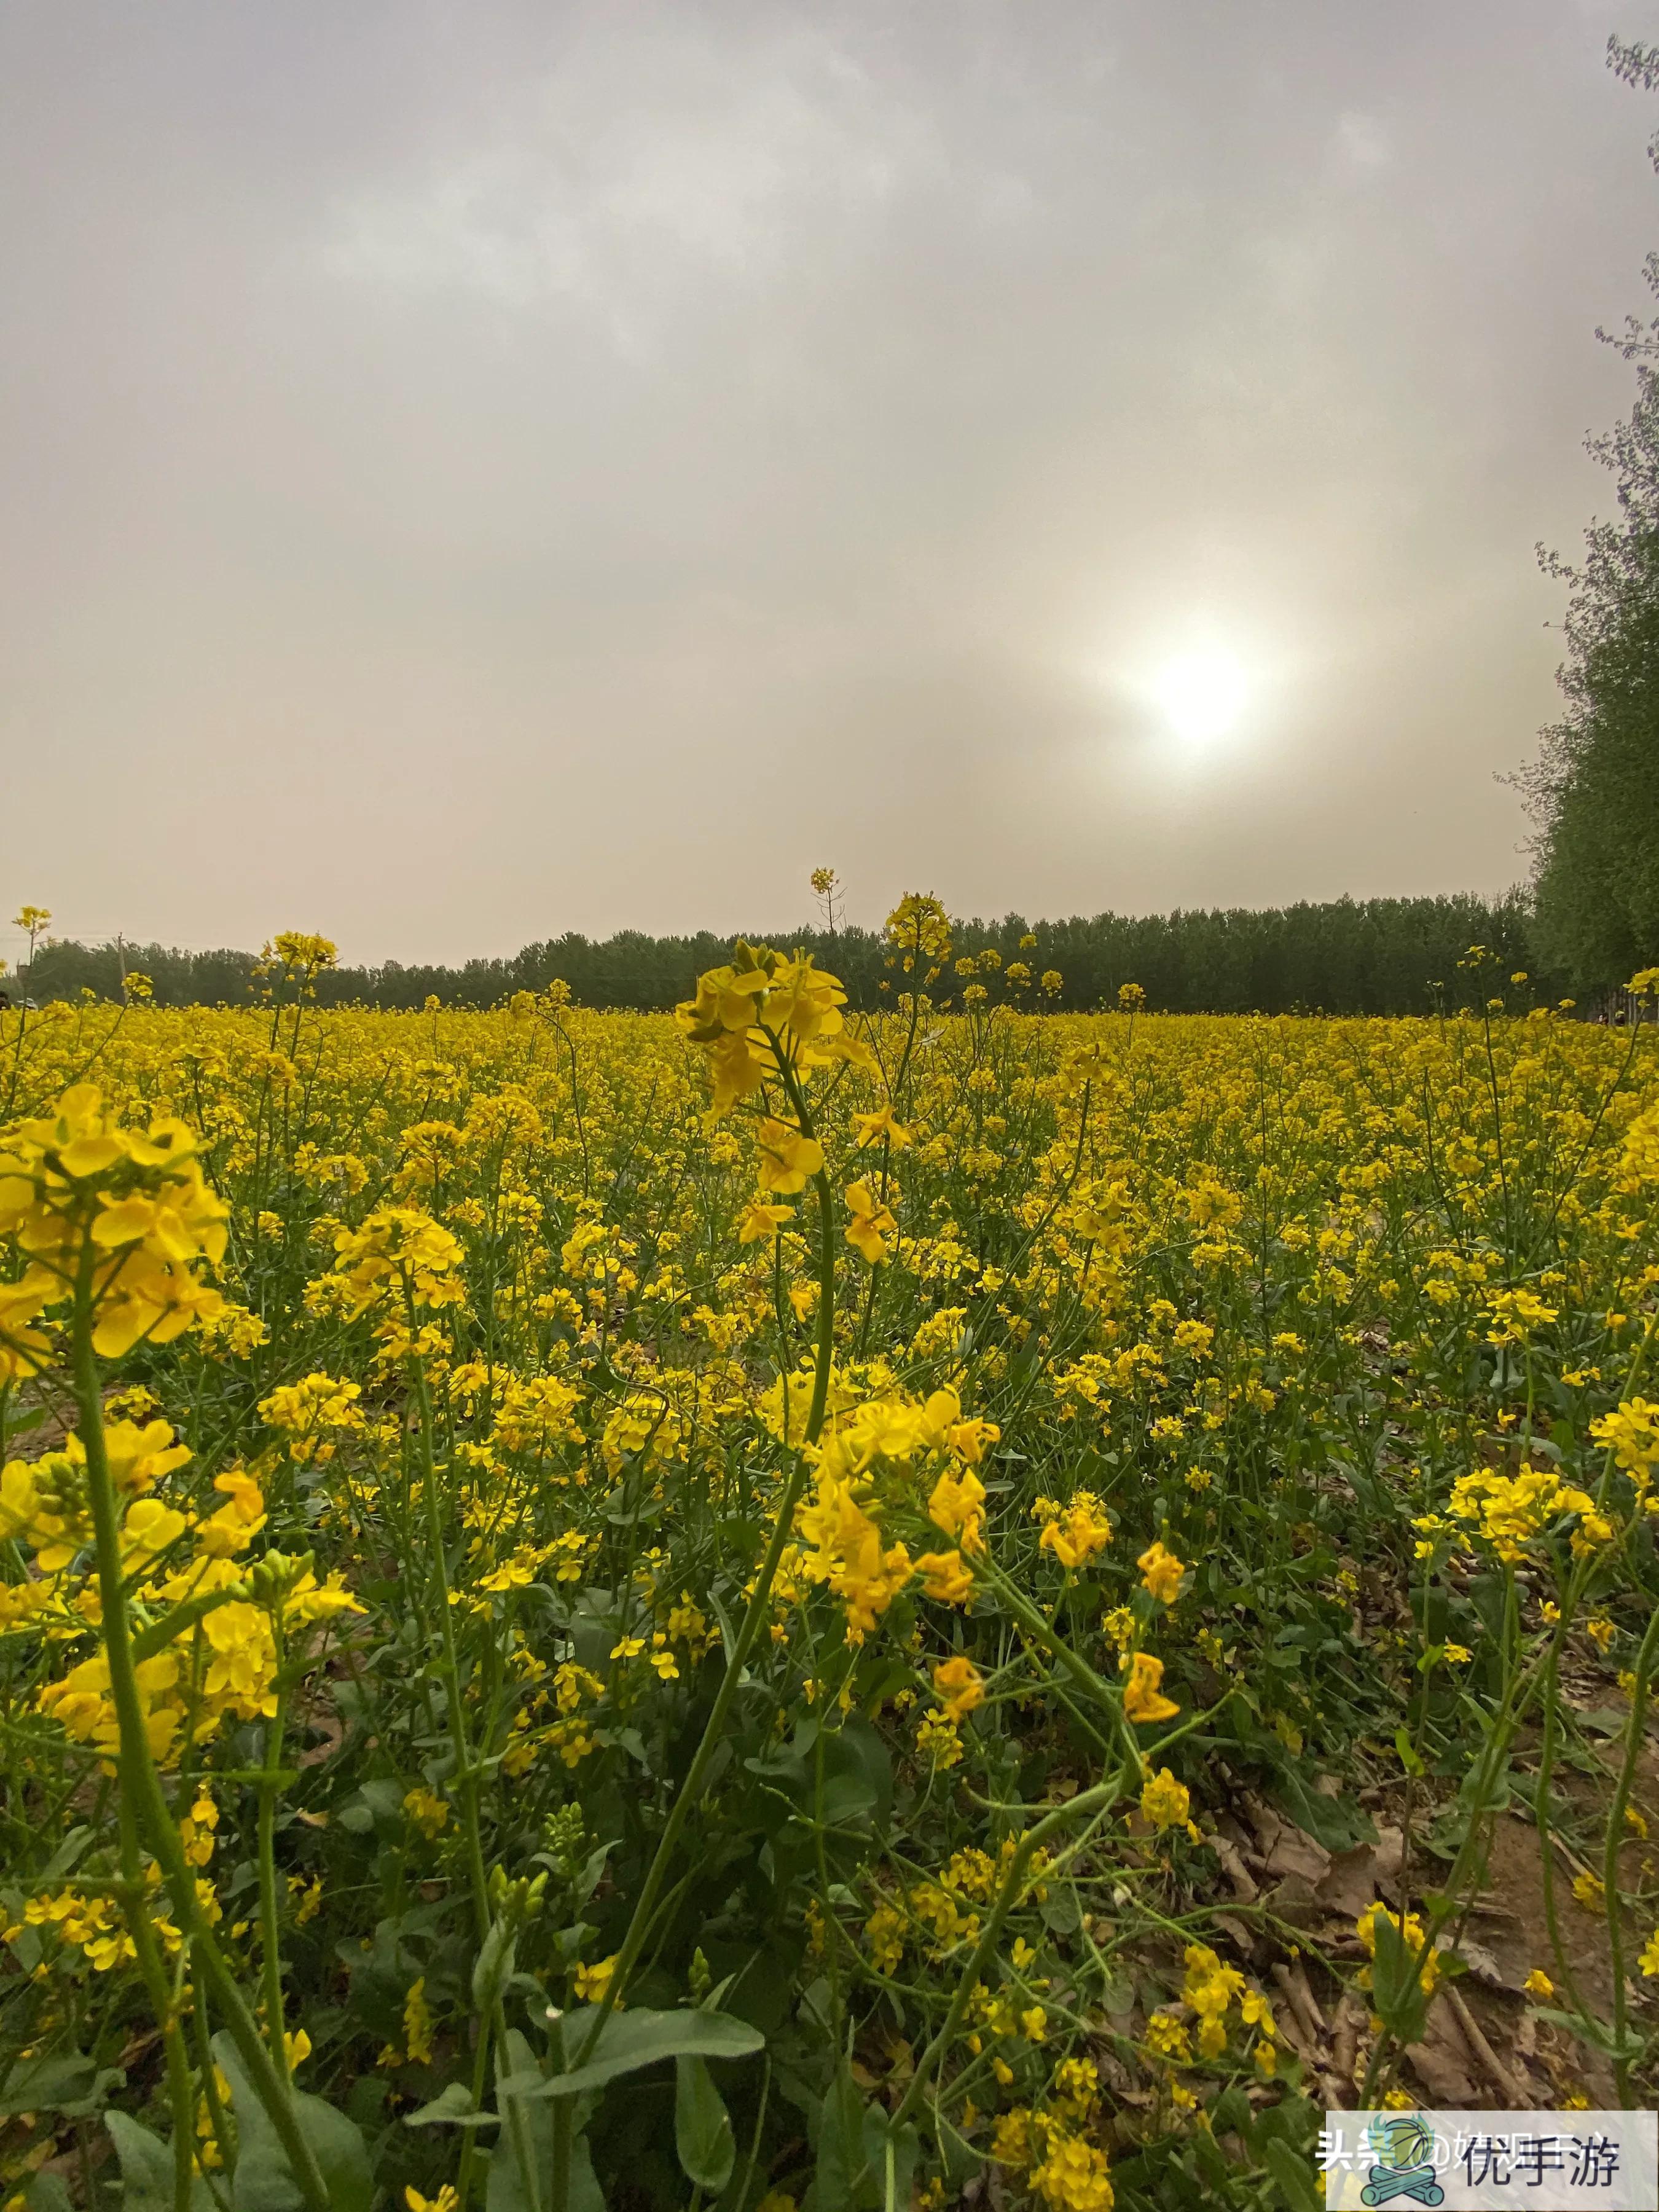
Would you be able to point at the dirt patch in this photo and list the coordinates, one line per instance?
(1485, 2044)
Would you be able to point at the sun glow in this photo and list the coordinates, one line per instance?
(1202, 692)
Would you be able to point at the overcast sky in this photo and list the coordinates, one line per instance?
(471, 469)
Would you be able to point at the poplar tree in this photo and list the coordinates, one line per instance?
(1594, 788)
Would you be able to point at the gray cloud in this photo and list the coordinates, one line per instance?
(470, 472)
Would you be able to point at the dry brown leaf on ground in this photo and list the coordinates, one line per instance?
(1487, 1968)
(1284, 1848)
(1345, 2042)
(1509, 2082)
(1294, 1899)
(1444, 2063)
(1360, 1876)
(1244, 1882)
(328, 1730)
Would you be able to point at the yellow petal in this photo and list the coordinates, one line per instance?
(90, 1156)
(124, 1224)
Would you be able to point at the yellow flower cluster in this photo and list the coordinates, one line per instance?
(116, 1215)
(1061, 2168)
(839, 1523)
(224, 1659)
(1076, 1532)
(766, 1014)
(1509, 1512)
(1213, 1990)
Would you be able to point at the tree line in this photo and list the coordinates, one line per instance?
(1387, 955)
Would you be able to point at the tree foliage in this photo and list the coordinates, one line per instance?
(1594, 788)
(1343, 957)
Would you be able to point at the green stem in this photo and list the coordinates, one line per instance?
(713, 1734)
(270, 1961)
(740, 2194)
(135, 1912)
(1621, 2055)
(690, 1791)
(220, 2120)
(470, 2142)
(518, 2122)
(1098, 1800)
(139, 1778)
(148, 1643)
(1542, 1816)
(466, 1776)
(1038, 1626)
(1517, 1693)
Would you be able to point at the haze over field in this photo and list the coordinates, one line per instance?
(472, 472)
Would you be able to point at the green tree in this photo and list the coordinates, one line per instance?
(1341, 957)
(1594, 788)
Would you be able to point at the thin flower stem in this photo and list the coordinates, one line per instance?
(518, 2120)
(1541, 1814)
(1615, 1836)
(1038, 1626)
(271, 1962)
(1090, 1802)
(139, 1778)
(466, 1776)
(136, 1913)
(690, 1790)
(1494, 1756)
(469, 2146)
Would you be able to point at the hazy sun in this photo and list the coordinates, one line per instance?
(1202, 691)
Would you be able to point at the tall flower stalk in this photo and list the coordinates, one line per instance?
(114, 1222)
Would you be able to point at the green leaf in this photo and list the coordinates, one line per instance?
(65, 1857)
(452, 2107)
(506, 2191)
(703, 2126)
(741, 1537)
(1594, 2032)
(48, 2192)
(630, 1741)
(1205, 2153)
(593, 1869)
(862, 1739)
(1062, 1914)
(1232, 2114)
(1293, 2171)
(146, 2164)
(69, 2084)
(263, 2180)
(42, 2084)
(1400, 1998)
(847, 1798)
(847, 2148)
(631, 2040)
(1294, 2120)
(586, 2194)
(494, 1967)
(895, 2152)
(1328, 1821)
(1606, 1720)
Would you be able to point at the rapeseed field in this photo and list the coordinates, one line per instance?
(776, 1608)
